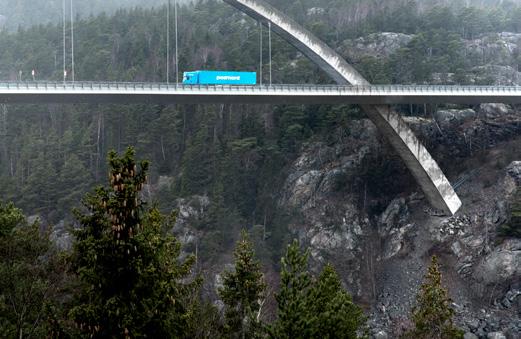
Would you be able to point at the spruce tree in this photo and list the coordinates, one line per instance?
(10, 217)
(293, 317)
(243, 293)
(134, 284)
(432, 316)
(312, 308)
(31, 276)
(337, 315)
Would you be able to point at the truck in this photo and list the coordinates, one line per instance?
(219, 78)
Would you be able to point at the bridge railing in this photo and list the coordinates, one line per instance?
(363, 89)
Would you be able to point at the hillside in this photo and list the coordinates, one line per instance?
(26, 13)
(320, 174)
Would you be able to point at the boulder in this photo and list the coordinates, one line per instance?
(449, 117)
(457, 249)
(394, 216)
(496, 335)
(191, 209)
(315, 11)
(495, 75)
(499, 215)
(381, 335)
(491, 111)
(61, 237)
(164, 182)
(502, 266)
(514, 171)
(303, 188)
(35, 219)
(470, 335)
(395, 243)
(345, 236)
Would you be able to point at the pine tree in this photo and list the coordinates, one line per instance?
(337, 315)
(31, 276)
(293, 318)
(10, 217)
(312, 308)
(432, 316)
(134, 284)
(243, 293)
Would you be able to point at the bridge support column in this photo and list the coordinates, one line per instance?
(423, 167)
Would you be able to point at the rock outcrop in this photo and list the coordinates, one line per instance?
(495, 48)
(330, 220)
(391, 249)
(493, 57)
(376, 45)
(502, 267)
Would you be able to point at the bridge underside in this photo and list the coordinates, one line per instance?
(227, 97)
(423, 167)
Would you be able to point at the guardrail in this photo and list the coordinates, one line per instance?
(140, 86)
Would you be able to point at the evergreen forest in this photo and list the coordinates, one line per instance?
(125, 274)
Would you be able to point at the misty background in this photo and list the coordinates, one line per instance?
(25, 13)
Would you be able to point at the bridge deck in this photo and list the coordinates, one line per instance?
(110, 92)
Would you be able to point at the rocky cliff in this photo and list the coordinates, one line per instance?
(381, 236)
(382, 254)
(494, 58)
(351, 201)
(354, 205)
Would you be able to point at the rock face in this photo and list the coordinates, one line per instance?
(330, 221)
(456, 133)
(453, 117)
(496, 48)
(496, 75)
(393, 228)
(381, 253)
(502, 266)
(514, 172)
(391, 249)
(61, 236)
(191, 213)
(494, 56)
(190, 210)
(495, 59)
(377, 45)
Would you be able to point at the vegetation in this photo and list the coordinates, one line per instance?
(129, 281)
(134, 282)
(513, 227)
(243, 293)
(432, 316)
(25, 13)
(31, 277)
(127, 274)
(311, 307)
(229, 153)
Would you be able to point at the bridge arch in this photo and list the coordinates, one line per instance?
(423, 167)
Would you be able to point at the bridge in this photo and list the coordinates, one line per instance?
(125, 92)
(352, 88)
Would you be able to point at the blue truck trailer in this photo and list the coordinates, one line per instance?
(219, 78)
